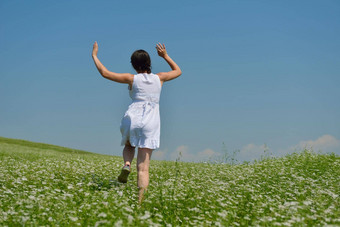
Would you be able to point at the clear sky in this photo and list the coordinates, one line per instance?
(254, 73)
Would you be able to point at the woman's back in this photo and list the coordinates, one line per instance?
(140, 125)
(146, 87)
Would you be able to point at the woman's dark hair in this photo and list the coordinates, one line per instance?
(141, 61)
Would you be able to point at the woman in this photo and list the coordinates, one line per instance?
(140, 126)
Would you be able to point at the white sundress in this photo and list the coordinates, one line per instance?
(141, 122)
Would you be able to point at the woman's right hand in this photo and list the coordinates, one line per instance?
(161, 50)
(175, 72)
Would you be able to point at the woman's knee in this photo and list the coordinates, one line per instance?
(142, 168)
(128, 146)
(143, 159)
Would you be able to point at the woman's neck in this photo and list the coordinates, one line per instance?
(142, 71)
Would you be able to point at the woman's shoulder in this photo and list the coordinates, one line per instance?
(156, 76)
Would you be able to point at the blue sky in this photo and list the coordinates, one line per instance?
(254, 73)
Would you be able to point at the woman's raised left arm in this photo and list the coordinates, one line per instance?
(126, 78)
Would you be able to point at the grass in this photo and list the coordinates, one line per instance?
(47, 185)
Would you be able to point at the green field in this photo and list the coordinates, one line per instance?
(47, 185)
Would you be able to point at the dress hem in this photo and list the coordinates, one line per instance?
(141, 142)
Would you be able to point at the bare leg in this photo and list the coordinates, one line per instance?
(128, 154)
(143, 162)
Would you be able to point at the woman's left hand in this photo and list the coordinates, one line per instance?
(95, 49)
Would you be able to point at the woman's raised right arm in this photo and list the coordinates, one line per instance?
(175, 72)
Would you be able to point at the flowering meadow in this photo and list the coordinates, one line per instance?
(46, 185)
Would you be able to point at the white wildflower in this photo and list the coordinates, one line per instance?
(119, 223)
(32, 197)
(102, 215)
(73, 218)
(145, 216)
(98, 223)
